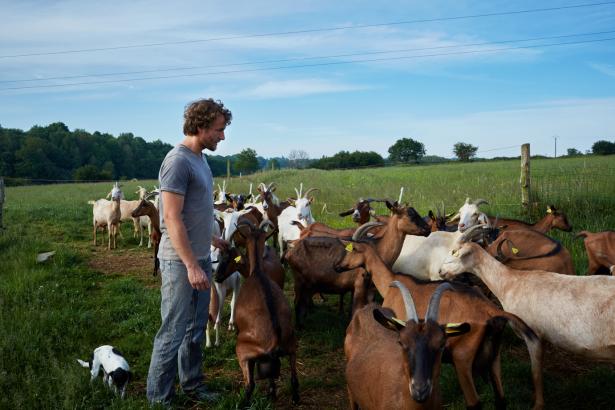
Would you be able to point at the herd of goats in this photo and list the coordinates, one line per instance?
(424, 317)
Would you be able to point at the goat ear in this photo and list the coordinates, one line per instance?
(311, 199)
(456, 329)
(248, 196)
(346, 213)
(389, 204)
(388, 321)
(431, 215)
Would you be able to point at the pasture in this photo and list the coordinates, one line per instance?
(86, 296)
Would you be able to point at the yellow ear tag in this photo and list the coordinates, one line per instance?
(515, 250)
(451, 328)
(238, 259)
(455, 253)
(349, 248)
(398, 321)
(549, 210)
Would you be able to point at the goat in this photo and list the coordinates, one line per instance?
(299, 210)
(600, 248)
(312, 259)
(147, 208)
(361, 211)
(529, 249)
(263, 319)
(571, 312)
(107, 213)
(393, 363)
(272, 206)
(238, 201)
(554, 219)
(478, 350)
(469, 214)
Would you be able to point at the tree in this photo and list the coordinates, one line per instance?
(246, 161)
(86, 173)
(603, 148)
(573, 152)
(464, 151)
(298, 158)
(406, 150)
(272, 164)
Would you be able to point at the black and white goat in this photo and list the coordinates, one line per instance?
(116, 372)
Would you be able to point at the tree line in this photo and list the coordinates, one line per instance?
(56, 153)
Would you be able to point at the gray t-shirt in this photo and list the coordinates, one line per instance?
(186, 173)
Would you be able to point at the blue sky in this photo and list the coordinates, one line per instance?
(494, 100)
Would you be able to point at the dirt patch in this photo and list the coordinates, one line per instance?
(138, 263)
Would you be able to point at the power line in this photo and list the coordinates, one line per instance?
(308, 58)
(314, 30)
(306, 65)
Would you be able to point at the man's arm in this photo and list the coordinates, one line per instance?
(173, 205)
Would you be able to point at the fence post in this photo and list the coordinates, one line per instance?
(525, 175)
(228, 169)
(1, 200)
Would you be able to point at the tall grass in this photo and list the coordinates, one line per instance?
(53, 313)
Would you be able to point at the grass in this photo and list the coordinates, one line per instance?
(85, 296)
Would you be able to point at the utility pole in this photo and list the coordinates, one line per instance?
(555, 138)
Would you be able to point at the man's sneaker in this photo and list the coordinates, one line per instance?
(201, 393)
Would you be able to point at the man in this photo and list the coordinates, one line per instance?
(186, 218)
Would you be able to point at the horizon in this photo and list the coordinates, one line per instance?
(501, 92)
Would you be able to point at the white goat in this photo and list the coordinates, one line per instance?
(575, 313)
(231, 283)
(421, 257)
(221, 197)
(300, 211)
(469, 214)
(107, 214)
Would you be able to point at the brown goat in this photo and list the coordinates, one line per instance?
(554, 219)
(232, 260)
(263, 320)
(478, 351)
(361, 211)
(393, 363)
(146, 207)
(529, 249)
(600, 247)
(312, 261)
(272, 209)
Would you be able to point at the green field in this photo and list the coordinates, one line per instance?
(86, 296)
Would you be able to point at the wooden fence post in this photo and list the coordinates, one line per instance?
(525, 175)
(228, 169)
(1, 200)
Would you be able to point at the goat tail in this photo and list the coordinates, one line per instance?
(271, 305)
(520, 328)
(582, 234)
(83, 364)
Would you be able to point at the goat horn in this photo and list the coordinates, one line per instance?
(471, 233)
(264, 223)
(408, 301)
(310, 190)
(362, 230)
(297, 192)
(480, 201)
(151, 195)
(433, 308)
(262, 187)
(501, 257)
(271, 185)
(245, 222)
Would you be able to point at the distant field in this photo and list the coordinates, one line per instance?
(53, 313)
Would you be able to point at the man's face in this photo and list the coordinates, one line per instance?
(209, 137)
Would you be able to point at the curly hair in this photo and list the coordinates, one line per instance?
(202, 114)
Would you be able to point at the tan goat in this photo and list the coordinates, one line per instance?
(263, 320)
(394, 362)
(600, 248)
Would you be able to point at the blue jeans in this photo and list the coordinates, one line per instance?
(178, 343)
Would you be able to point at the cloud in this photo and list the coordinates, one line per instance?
(298, 88)
(606, 69)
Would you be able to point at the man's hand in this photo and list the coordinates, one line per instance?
(220, 243)
(197, 277)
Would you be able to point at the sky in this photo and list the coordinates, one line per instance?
(318, 76)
